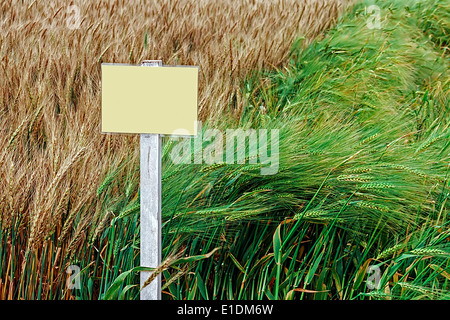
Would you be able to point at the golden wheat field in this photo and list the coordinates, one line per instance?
(53, 156)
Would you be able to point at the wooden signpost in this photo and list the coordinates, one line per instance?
(151, 102)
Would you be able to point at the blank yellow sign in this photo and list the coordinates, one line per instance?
(139, 99)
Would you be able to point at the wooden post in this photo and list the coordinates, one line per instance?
(150, 193)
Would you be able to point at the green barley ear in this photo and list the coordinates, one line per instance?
(106, 182)
(430, 252)
(377, 294)
(377, 186)
(420, 289)
(407, 169)
(213, 167)
(171, 174)
(285, 195)
(355, 178)
(129, 210)
(110, 178)
(429, 143)
(390, 251)
(312, 214)
(212, 211)
(358, 170)
(369, 139)
(241, 215)
(372, 205)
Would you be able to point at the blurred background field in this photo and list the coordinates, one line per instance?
(363, 178)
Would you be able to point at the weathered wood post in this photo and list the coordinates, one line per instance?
(150, 159)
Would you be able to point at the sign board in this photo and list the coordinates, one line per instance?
(149, 100)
